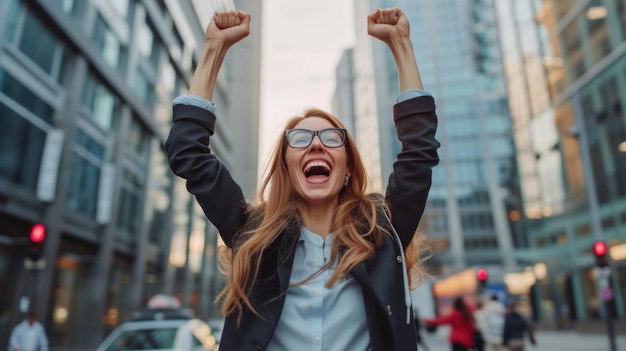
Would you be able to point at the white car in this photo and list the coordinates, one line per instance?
(163, 334)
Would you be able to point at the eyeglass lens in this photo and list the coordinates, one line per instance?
(301, 138)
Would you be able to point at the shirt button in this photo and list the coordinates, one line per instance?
(316, 340)
(399, 259)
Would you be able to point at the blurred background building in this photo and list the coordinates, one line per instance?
(524, 89)
(85, 107)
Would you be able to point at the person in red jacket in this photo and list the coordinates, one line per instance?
(461, 321)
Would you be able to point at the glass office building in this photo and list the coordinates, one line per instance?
(85, 107)
(566, 68)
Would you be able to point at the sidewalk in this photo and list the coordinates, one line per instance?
(546, 341)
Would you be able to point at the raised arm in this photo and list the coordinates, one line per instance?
(416, 123)
(392, 27)
(225, 29)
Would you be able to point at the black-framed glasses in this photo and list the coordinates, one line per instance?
(302, 138)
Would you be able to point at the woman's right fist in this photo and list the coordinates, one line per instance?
(228, 27)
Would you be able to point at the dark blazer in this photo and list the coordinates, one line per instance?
(380, 276)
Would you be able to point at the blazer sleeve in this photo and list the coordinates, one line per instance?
(190, 158)
(410, 181)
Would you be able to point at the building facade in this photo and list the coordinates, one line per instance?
(85, 100)
(565, 64)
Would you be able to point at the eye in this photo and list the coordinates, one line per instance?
(299, 138)
(332, 137)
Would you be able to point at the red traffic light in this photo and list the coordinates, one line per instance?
(599, 248)
(38, 233)
(481, 274)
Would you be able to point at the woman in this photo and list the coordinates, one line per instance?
(316, 262)
(462, 325)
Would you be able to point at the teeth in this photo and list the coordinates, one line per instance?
(316, 164)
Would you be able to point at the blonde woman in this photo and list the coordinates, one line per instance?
(315, 263)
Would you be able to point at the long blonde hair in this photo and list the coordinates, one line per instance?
(357, 234)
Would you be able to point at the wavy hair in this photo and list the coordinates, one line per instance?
(356, 232)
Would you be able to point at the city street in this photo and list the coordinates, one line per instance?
(546, 341)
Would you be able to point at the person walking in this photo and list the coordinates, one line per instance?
(515, 329)
(490, 322)
(462, 325)
(316, 261)
(29, 335)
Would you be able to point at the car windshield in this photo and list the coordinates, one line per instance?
(144, 339)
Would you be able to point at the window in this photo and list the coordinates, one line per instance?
(144, 339)
(12, 17)
(113, 52)
(137, 138)
(598, 30)
(144, 87)
(159, 197)
(22, 139)
(37, 42)
(100, 101)
(87, 157)
(121, 7)
(68, 6)
(129, 210)
(19, 93)
(146, 43)
(22, 146)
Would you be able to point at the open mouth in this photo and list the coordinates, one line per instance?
(317, 169)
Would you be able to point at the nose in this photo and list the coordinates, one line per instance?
(316, 143)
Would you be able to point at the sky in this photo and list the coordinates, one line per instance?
(302, 42)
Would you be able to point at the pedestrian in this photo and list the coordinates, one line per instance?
(28, 335)
(479, 340)
(515, 329)
(462, 325)
(315, 261)
(490, 322)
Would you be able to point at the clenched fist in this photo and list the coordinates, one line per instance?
(388, 24)
(228, 27)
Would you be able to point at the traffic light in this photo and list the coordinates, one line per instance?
(599, 250)
(37, 238)
(482, 275)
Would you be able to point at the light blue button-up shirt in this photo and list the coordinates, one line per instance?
(314, 317)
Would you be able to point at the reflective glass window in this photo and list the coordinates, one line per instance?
(84, 179)
(113, 52)
(146, 42)
(121, 7)
(137, 137)
(595, 15)
(129, 210)
(19, 93)
(68, 6)
(22, 146)
(159, 196)
(144, 87)
(40, 45)
(100, 101)
(12, 17)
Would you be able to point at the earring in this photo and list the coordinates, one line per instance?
(345, 183)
